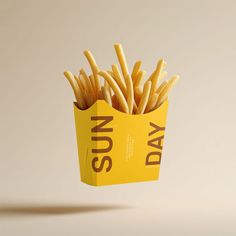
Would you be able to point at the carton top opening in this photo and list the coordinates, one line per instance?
(104, 103)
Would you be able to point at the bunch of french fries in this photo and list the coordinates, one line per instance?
(123, 91)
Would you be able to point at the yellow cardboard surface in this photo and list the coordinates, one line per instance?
(115, 147)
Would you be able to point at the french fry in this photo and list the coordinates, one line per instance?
(94, 69)
(115, 103)
(137, 94)
(144, 98)
(88, 84)
(135, 108)
(106, 95)
(84, 92)
(75, 87)
(139, 77)
(153, 101)
(162, 76)
(89, 95)
(122, 60)
(121, 90)
(136, 69)
(163, 84)
(111, 73)
(130, 93)
(80, 84)
(164, 98)
(120, 97)
(107, 86)
(156, 76)
(118, 79)
(82, 89)
(164, 92)
(91, 77)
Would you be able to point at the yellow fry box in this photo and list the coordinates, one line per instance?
(115, 147)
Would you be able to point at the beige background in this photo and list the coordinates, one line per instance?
(40, 188)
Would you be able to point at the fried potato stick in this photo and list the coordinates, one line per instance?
(163, 84)
(139, 78)
(156, 76)
(88, 93)
(153, 101)
(107, 86)
(119, 80)
(164, 92)
(106, 95)
(91, 77)
(88, 84)
(136, 69)
(82, 89)
(137, 94)
(130, 93)
(122, 60)
(94, 69)
(115, 103)
(76, 89)
(145, 97)
(120, 97)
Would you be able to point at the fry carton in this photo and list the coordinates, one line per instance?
(115, 147)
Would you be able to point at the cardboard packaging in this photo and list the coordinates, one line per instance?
(115, 147)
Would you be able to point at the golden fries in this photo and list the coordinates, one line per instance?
(137, 94)
(120, 97)
(122, 91)
(95, 70)
(139, 77)
(106, 95)
(92, 80)
(156, 76)
(107, 86)
(145, 97)
(163, 84)
(164, 92)
(122, 59)
(152, 103)
(136, 69)
(87, 84)
(130, 93)
(119, 80)
(76, 89)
